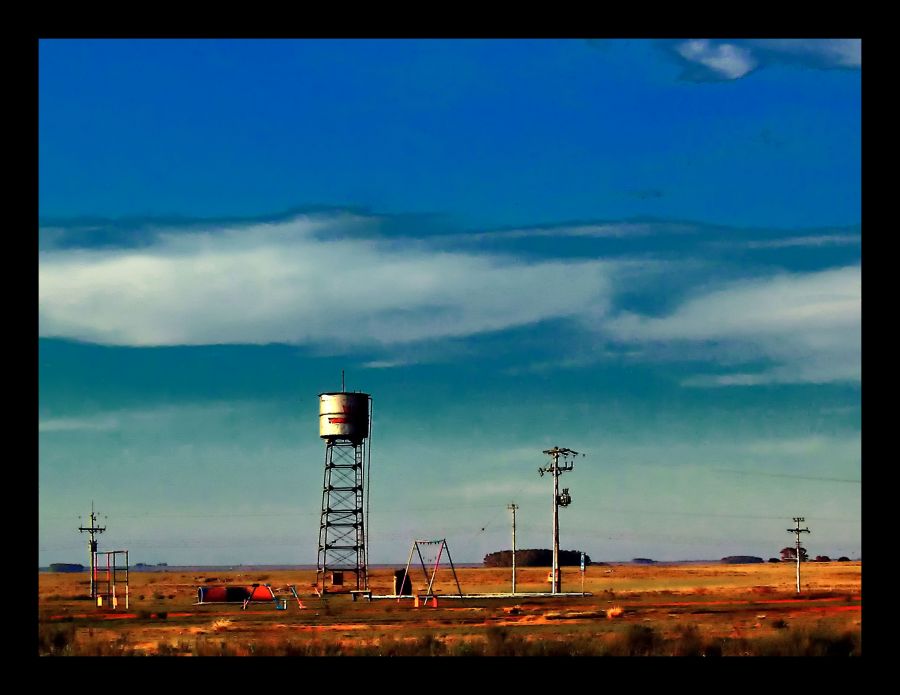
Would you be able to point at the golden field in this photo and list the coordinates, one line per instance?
(678, 609)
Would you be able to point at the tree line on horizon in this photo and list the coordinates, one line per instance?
(535, 557)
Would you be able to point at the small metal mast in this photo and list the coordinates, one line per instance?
(92, 545)
(512, 506)
(563, 500)
(798, 531)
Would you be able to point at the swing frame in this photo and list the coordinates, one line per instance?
(430, 580)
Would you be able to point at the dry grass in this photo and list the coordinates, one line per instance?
(679, 610)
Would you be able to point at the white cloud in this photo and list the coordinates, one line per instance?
(726, 60)
(807, 325)
(288, 282)
(731, 60)
(845, 53)
(805, 241)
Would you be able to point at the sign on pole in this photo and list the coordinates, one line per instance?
(582, 561)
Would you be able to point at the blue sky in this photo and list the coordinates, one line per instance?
(648, 251)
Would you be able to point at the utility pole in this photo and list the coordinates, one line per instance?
(92, 545)
(512, 506)
(798, 531)
(563, 500)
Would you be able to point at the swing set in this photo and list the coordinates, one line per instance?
(442, 546)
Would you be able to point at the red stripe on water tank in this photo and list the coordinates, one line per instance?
(334, 420)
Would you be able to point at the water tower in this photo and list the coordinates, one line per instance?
(344, 419)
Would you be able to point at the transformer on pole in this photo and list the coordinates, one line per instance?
(344, 424)
(559, 500)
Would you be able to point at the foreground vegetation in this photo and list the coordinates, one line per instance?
(631, 610)
(636, 640)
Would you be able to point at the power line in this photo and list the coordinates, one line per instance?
(788, 475)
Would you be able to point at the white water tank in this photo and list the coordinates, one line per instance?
(344, 415)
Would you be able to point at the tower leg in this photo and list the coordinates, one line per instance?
(342, 537)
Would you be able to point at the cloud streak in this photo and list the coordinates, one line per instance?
(806, 325)
(721, 60)
(295, 282)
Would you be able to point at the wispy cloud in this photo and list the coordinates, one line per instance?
(130, 418)
(723, 60)
(594, 230)
(803, 241)
(72, 424)
(287, 282)
(806, 325)
(712, 59)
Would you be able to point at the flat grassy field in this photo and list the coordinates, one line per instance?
(679, 609)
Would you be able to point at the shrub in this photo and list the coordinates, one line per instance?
(687, 642)
(816, 641)
(55, 640)
(637, 640)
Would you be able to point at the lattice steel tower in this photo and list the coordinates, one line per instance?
(344, 424)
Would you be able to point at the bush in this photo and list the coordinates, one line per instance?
(55, 640)
(817, 641)
(637, 640)
(688, 642)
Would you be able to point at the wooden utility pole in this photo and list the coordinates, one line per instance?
(512, 506)
(92, 545)
(798, 531)
(559, 500)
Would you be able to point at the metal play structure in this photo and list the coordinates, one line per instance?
(245, 595)
(107, 576)
(442, 546)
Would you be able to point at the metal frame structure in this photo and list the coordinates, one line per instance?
(342, 532)
(443, 546)
(113, 570)
(279, 601)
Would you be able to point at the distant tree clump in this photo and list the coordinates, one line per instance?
(843, 558)
(790, 553)
(643, 561)
(774, 559)
(741, 559)
(66, 567)
(534, 557)
(823, 558)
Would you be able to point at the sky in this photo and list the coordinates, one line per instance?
(648, 251)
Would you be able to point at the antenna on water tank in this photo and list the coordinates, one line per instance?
(342, 381)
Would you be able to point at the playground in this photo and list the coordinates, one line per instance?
(721, 604)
